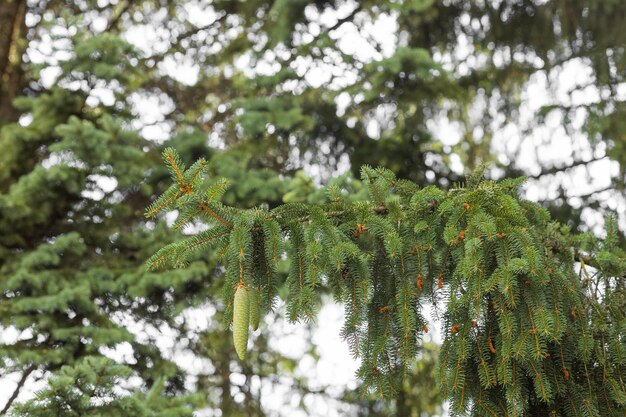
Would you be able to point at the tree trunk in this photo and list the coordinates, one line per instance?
(12, 45)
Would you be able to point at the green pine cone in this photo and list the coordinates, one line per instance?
(241, 319)
(255, 313)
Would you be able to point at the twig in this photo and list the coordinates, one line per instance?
(187, 34)
(557, 169)
(116, 19)
(18, 388)
(583, 196)
(322, 33)
(346, 19)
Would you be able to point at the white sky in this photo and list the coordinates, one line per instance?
(547, 145)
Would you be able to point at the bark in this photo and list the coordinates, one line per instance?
(12, 45)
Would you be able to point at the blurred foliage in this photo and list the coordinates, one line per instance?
(88, 389)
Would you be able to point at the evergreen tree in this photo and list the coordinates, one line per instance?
(70, 194)
(74, 181)
(465, 61)
(468, 62)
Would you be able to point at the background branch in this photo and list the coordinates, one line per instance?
(18, 388)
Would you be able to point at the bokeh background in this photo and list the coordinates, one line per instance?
(282, 97)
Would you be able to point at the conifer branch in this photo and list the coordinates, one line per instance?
(513, 301)
(160, 205)
(205, 207)
(169, 156)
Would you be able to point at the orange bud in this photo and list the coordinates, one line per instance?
(440, 281)
(466, 206)
(565, 374)
(454, 329)
(491, 348)
(420, 282)
(425, 328)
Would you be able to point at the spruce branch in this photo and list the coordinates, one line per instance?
(513, 304)
(204, 206)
